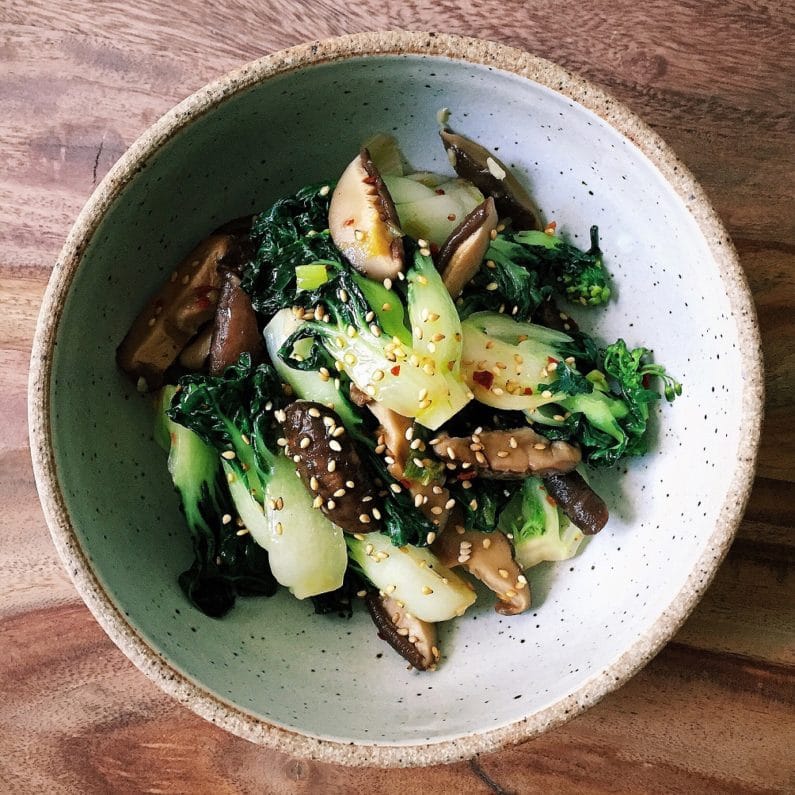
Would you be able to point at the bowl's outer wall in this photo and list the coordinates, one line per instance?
(332, 678)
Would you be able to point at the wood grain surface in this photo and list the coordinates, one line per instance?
(80, 80)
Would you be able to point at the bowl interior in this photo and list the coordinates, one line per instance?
(333, 678)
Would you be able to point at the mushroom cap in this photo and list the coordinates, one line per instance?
(363, 222)
(462, 253)
(475, 163)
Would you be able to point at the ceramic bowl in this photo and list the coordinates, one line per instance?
(328, 688)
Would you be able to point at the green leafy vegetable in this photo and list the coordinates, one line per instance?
(291, 234)
(522, 268)
(225, 564)
(540, 532)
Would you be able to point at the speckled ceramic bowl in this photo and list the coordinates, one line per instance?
(328, 688)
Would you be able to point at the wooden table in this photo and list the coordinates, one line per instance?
(79, 81)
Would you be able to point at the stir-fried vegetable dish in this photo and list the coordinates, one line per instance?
(376, 390)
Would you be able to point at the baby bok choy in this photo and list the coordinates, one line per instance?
(234, 414)
(226, 564)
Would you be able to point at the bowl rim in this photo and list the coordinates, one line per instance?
(457, 48)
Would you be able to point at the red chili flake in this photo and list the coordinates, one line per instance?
(484, 378)
(350, 222)
(451, 217)
(551, 360)
(440, 192)
(405, 483)
(202, 293)
(528, 391)
(551, 501)
(468, 475)
(646, 381)
(395, 370)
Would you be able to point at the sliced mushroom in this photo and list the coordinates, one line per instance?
(508, 455)
(462, 253)
(330, 467)
(434, 498)
(411, 638)
(489, 557)
(235, 329)
(475, 163)
(585, 508)
(194, 355)
(363, 221)
(174, 314)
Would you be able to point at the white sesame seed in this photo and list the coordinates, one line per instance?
(226, 518)
(431, 537)
(335, 446)
(332, 465)
(418, 500)
(324, 191)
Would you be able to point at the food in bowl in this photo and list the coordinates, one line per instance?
(371, 385)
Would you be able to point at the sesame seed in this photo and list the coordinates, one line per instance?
(498, 391)
(388, 283)
(317, 502)
(378, 375)
(502, 453)
(503, 573)
(304, 443)
(433, 317)
(546, 394)
(380, 448)
(431, 537)
(513, 443)
(491, 264)
(473, 504)
(423, 404)
(466, 545)
(343, 295)
(364, 518)
(230, 477)
(463, 558)
(480, 458)
(331, 505)
(324, 191)
(403, 631)
(437, 510)
(339, 493)
(226, 518)
(492, 286)
(228, 454)
(386, 306)
(375, 330)
(313, 484)
(337, 432)
(418, 462)
(558, 418)
(296, 459)
(426, 590)
(332, 465)
(279, 528)
(467, 484)
(539, 446)
(390, 589)
(510, 593)
(389, 460)
(335, 446)
(418, 500)
(368, 550)
(350, 484)
(376, 514)
(486, 543)
(395, 488)
(361, 594)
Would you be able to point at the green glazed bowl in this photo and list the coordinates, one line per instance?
(325, 687)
